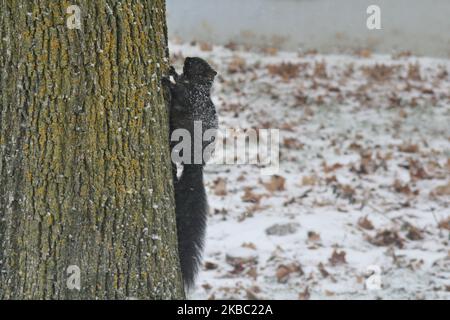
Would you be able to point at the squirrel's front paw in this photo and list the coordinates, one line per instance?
(166, 82)
(173, 73)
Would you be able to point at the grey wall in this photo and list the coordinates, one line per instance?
(421, 26)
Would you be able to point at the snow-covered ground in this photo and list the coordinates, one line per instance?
(364, 180)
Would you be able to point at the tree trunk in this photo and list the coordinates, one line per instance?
(84, 158)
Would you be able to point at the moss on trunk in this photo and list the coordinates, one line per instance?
(84, 160)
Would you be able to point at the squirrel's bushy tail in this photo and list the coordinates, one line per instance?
(191, 213)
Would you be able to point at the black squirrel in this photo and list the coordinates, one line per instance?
(190, 101)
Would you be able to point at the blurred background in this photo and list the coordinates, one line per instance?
(326, 25)
(361, 206)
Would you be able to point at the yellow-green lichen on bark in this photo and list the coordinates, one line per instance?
(84, 160)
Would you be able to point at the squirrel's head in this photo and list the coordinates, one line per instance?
(199, 70)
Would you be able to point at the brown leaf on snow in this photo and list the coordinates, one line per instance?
(249, 245)
(368, 164)
(305, 295)
(380, 72)
(286, 126)
(276, 184)
(417, 171)
(220, 187)
(251, 295)
(320, 70)
(212, 297)
(323, 271)
(206, 286)
(345, 192)
(445, 224)
(313, 236)
(365, 223)
(309, 180)
(287, 71)
(205, 46)
(330, 180)
(414, 233)
(249, 196)
(329, 293)
(441, 191)
(404, 188)
(239, 263)
(237, 64)
(210, 265)
(252, 273)
(284, 271)
(255, 208)
(414, 72)
(292, 143)
(331, 168)
(301, 99)
(355, 146)
(387, 238)
(409, 148)
(337, 258)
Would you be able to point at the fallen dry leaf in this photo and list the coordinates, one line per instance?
(286, 71)
(337, 258)
(292, 143)
(380, 72)
(313, 236)
(206, 286)
(445, 224)
(414, 233)
(284, 271)
(441, 191)
(205, 46)
(329, 293)
(417, 171)
(237, 260)
(332, 168)
(309, 180)
(320, 70)
(251, 295)
(305, 295)
(404, 188)
(220, 187)
(365, 223)
(237, 64)
(409, 148)
(249, 196)
(211, 265)
(249, 245)
(387, 238)
(414, 72)
(323, 271)
(276, 184)
(252, 273)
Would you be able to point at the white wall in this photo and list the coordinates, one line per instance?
(421, 26)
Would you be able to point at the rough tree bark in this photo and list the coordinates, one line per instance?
(84, 160)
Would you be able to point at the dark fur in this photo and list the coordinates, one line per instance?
(190, 100)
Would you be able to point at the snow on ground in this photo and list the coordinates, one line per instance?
(364, 181)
